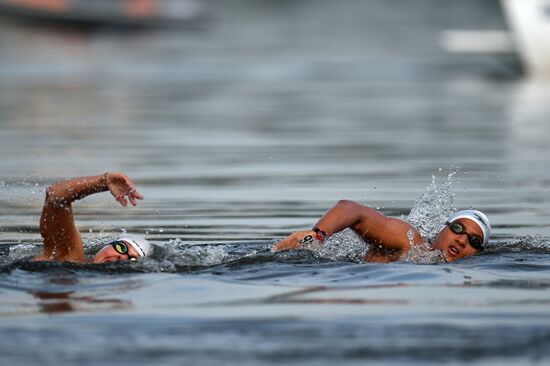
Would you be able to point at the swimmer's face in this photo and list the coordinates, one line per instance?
(457, 246)
(109, 254)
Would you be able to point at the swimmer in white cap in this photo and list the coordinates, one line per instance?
(465, 233)
(62, 240)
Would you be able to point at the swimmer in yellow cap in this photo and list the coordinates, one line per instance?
(464, 234)
(62, 240)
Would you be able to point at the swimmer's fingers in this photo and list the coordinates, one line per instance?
(286, 244)
(120, 186)
(133, 195)
(131, 199)
(294, 241)
(120, 199)
(136, 195)
(283, 245)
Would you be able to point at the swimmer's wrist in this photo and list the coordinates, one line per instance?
(103, 182)
(320, 234)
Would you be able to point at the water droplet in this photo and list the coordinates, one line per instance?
(410, 236)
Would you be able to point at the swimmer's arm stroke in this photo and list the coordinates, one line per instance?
(62, 240)
(373, 226)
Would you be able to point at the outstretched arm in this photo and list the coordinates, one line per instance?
(373, 226)
(62, 240)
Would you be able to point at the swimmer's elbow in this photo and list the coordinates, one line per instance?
(357, 212)
(349, 205)
(53, 198)
(346, 203)
(350, 210)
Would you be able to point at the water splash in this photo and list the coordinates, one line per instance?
(93, 242)
(24, 250)
(423, 254)
(524, 244)
(345, 245)
(195, 255)
(432, 208)
(177, 256)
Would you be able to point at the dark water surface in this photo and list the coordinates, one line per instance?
(250, 127)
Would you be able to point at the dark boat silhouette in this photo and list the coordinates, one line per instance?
(108, 12)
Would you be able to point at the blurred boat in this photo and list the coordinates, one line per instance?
(108, 12)
(529, 36)
(530, 24)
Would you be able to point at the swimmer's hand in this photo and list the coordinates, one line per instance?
(121, 186)
(298, 240)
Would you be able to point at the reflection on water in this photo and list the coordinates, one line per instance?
(244, 131)
(65, 302)
(60, 291)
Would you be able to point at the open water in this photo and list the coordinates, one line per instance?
(244, 129)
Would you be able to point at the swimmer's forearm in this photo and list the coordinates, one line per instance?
(65, 192)
(341, 216)
(345, 214)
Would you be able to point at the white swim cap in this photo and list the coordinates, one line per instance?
(476, 216)
(141, 245)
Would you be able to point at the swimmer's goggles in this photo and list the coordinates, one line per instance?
(122, 248)
(458, 228)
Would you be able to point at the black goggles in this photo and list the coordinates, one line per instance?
(458, 228)
(122, 248)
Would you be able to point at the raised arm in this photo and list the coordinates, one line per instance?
(62, 240)
(373, 226)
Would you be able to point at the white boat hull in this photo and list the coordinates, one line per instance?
(530, 24)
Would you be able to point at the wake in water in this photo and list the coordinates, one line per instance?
(428, 215)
